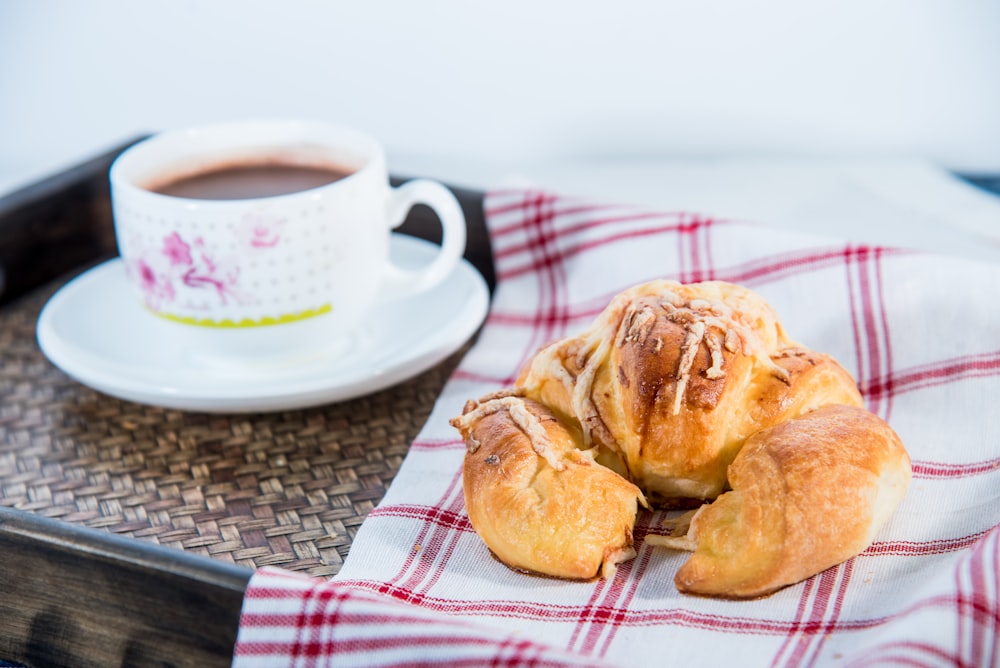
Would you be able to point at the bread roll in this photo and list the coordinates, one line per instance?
(807, 494)
(671, 379)
(539, 503)
(682, 395)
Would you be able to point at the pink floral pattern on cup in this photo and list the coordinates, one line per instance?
(260, 230)
(201, 269)
(180, 265)
(156, 287)
(178, 252)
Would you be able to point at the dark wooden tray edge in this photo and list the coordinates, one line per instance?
(80, 596)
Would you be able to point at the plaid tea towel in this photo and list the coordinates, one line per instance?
(920, 333)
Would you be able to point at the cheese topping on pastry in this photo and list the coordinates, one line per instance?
(657, 400)
(527, 421)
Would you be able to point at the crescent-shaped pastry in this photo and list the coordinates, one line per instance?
(685, 396)
(540, 503)
(807, 494)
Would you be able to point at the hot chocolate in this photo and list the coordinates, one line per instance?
(249, 180)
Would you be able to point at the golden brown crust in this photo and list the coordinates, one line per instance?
(673, 378)
(807, 494)
(539, 503)
(686, 391)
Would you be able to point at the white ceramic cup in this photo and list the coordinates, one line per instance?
(265, 278)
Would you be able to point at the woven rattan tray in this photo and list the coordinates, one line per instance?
(286, 489)
(151, 488)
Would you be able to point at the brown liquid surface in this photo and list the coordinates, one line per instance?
(249, 181)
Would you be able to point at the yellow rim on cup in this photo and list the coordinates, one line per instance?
(247, 322)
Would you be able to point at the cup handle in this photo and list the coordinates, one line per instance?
(399, 282)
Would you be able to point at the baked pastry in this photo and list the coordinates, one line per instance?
(540, 503)
(670, 380)
(655, 401)
(807, 494)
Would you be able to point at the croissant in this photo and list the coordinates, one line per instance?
(541, 504)
(806, 495)
(655, 403)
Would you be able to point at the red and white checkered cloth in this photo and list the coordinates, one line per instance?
(921, 334)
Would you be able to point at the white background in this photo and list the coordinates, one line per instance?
(672, 101)
(516, 81)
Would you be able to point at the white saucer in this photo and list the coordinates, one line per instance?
(95, 330)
